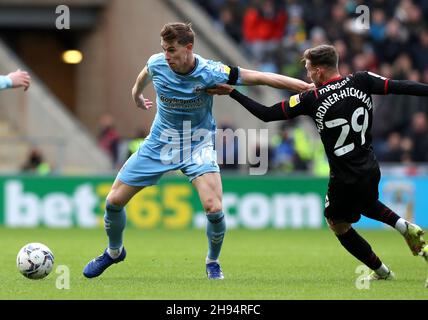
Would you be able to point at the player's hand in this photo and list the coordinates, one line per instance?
(20, 79)
(143, 103)
(220, 89)
(311, 86)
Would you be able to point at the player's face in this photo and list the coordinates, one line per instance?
(313, 73)
(177, 55)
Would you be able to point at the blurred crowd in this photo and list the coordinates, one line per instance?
(274, 34)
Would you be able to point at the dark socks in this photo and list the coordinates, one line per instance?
(380, 212)
(359, 248)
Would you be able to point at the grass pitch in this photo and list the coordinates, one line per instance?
(169, 265)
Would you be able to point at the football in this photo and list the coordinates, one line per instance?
(35, 260)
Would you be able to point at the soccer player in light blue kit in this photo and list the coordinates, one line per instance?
(181, 138)
(15, 79)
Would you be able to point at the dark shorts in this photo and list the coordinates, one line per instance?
(345, 202)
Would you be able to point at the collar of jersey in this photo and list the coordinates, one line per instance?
(191, 71)
(331, 80)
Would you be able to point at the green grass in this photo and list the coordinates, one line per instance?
(166, 264)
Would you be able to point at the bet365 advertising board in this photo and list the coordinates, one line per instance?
(248, 202)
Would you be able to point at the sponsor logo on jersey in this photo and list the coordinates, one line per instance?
(182, 103)
(294, 100)
(334, 86)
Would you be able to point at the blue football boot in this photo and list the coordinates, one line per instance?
(97, 266)
(214, 271)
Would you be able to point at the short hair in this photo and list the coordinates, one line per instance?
(323, 55)
(182, 32)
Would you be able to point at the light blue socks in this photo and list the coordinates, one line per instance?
(114, 224)
(216, 228)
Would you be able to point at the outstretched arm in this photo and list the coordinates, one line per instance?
(262, 112)
(137, 91)
(252, 77)
(381, 85)
(407, 87)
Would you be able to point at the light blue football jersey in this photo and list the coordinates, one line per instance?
(184, 119)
